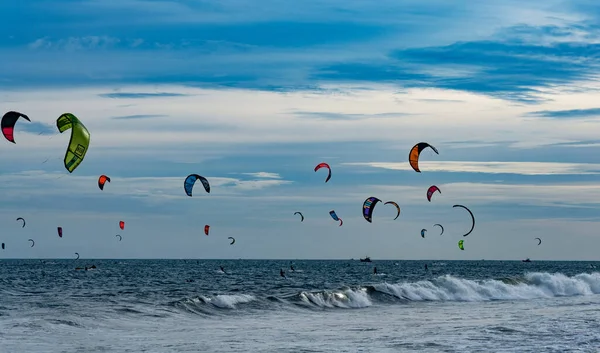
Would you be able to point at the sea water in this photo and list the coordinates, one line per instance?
(322, 306)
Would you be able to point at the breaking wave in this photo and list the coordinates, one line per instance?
(444, 288)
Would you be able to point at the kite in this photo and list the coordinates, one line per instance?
(335, 217)
(2, 246)
(539, 241)
(8, 124)
(102, 180)
(189, 182)
(121, 225)
(397, 207)
(60, 231)
(324, 165)
(440, 227)
(300, 213)
(32, 242)
(79, 142)
(413, 155)
(206, 227)
(368, 207)
(472, 218)
(460, 244)
(232, 240)
(21, 218)
(423, 232)
(77, 256)
(120, 237)
(431, 190)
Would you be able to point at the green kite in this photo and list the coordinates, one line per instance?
(80, 140)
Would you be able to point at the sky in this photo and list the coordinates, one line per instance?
(253, 96)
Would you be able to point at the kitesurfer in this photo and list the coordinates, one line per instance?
(425, 267)
(281, 273)
(292, 268)
(222, 269)
(374, 270)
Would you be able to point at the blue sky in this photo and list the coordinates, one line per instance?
(254, 96)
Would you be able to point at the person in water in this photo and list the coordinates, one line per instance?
(281, 273)
(375, 270)
(292, 268)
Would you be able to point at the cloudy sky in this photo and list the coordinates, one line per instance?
(254, 95)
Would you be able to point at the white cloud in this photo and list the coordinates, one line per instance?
(522, 168)
(563, 195)
(33, 184)
(233, 117)
(264, 175)
(74, 43)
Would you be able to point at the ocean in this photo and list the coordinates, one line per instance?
(322, 306)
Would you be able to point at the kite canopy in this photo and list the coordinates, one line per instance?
(21, 218)
(232, 240)
(324, 165)
(415, 152)
(431, 190)
(423, 232)
(368, 207)
(8, 124)
(59, 231)
(539, 241)
(32, 242)
(120, 237)
(2, 246)
(77, 256)
(121, 225)
(79, 142)
(300, 213)
(335, 217)
(472, 218)
(102, 180)
(206, 228)
(190, 180)
(460, 244)
(397, 207)
(440, 227)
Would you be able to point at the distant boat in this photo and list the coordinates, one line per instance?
(526, 260)
(366, 259)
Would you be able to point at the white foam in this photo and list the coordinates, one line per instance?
(537, 285)
(348, 298)
(228, 301)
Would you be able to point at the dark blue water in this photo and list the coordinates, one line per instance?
(47, 302)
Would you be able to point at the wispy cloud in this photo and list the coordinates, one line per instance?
(266, 175)
(345, 116)
(138, 116)
(21, 187)
(485, 196)
(505, 69)
(39, 128)
(237, 46)
(567, 114)
(74, 43)
(522, 168)
(132, 95)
